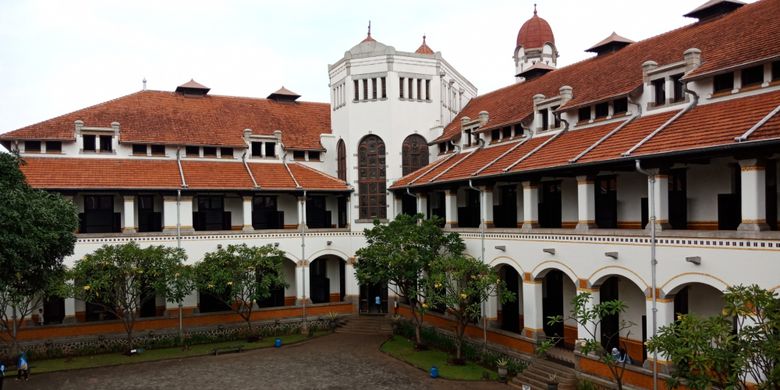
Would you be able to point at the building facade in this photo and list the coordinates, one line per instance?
(557, 181)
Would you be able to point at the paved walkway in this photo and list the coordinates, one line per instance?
(336, 361)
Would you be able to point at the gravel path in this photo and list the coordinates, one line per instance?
(336, 361)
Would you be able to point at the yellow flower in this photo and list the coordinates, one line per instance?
(229, 283)
(87, 287)
(437, 285)
(210, 285)
(463, 296)
(425, 305)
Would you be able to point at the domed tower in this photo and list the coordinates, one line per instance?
(535, 53)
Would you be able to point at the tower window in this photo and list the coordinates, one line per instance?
(372, 199)
(659, 92)
(89, 142)
(427, 89)
(139, 150)
(373, 88)
(32, 146)
(53, 146)
(723, 82)
(414, 154)
(384, 87)
(357, 89)
(677, 88)
(365, 89)
(583, 114)
(411, 88)
(753, 75)
(419, 89)
(401, 87)
(619, 106)
(602, 110)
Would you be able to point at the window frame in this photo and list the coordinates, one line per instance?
(372, 178)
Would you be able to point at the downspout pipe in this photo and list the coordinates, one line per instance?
(303, 254)
(482, 251)
(178, 234)
(409, 192)
(653, 263)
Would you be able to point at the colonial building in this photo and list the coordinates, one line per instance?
(558, 181)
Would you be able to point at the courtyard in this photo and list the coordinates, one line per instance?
(336, 361)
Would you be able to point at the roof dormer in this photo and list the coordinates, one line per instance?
(714, 8)
(284, 95)
(193, 88)
(610, 44)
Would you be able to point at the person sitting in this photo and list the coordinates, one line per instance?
(23, 367)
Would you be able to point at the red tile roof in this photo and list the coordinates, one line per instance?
(711, 124)
(613, 147)
(534, 33)
(424, 48)
(173, 118)
(564, 148)
(113, 173)
(753, 34)
(99, 173)
(467, 166)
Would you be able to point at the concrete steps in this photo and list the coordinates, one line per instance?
(538, 373)
(367, 324)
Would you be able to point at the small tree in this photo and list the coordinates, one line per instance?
(36, 233)
(707, 352)
(121, 278)
(464, 284)
(400, 253)
(248, 274)
(179, 286)
(590, 318)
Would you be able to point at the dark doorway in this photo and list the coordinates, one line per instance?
(681, 302)
(148, 304)
(148, 219)
(610, 325)
(730, 205)
(319, 284)
(550, 205)
(606, 202)
(265, 214)
(436, 205)
(505, 214)
(275, 299)
(373, 298)
(342, 205)
(208, 303)
(53, 310)
(317, 217)
(468, 216)
(211, 214)
(99, 215)
(552, 303)
(678, 199)
(342, 281)
(510, 311)
(408, 204)
(97, 312)
(771, 194)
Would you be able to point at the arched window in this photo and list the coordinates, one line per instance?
(414, 154)
(371, 178)
(341, 160)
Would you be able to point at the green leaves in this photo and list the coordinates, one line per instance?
(240, 275)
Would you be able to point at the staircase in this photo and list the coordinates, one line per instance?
(537, 374)
(367, 324)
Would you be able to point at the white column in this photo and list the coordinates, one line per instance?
(128, 215)
(486, 204)
(422, 205)
(584, 332)
(664, 317)
(530, 205)
(185, 213)
(451, 208)
(533, 317)
(170, 211)
(661, 200)
(753, 196)
(247, 214)
(70, 310)
(398, 204)
(491, 310)
(586, 203)
(169, 214)
(301, 282)
(301, 210)
(351, 284)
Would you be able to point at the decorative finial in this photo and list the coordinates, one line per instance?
(369, 28)
(144, 81)
(534, 8)
(423, 38)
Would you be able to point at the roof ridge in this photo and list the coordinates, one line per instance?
(435, 165)
(456, 163)
(758, 125)
(660, 128)
(289, 172)
(602, 139)
(321, 173)
(521, 142)
(534, 150)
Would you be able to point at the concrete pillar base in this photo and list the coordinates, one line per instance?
(183, 230)
(300, 301)
(585, 226)
(248, 229)
(753, 227)
(529, 225)
(69, 320)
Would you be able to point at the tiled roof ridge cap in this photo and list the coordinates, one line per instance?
(434, 166)
(456, 163)
(536, 149)
(602, 139)
(502, 155)
(321, 173)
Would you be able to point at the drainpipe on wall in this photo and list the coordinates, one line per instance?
(303, 254)
(178, 235)
(653, 262)
(482, 254)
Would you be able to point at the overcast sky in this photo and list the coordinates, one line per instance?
(60, 56)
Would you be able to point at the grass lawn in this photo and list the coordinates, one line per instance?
(403, 349)
(149, 355)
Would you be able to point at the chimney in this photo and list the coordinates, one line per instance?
(566, 93)
(692, 58)
(483, 117)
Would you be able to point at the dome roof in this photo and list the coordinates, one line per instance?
(424, 48)
(534, 33)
